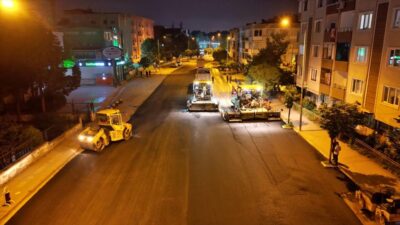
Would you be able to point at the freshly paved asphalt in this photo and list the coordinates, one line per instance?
(195, 169)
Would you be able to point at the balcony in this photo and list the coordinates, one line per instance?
(338, 92)
(342, 66)
(345, 36)
(324, 89)
(329, 37)
(335, 6)
(327, 64)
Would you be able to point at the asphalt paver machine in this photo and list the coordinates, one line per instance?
(202, 99)
(248, 103)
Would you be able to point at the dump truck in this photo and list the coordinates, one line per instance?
(202, 99)
(248, 103)
(108, 127)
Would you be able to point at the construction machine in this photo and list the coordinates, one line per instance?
(108, 127)
(383, 202)
(202, 98)
(248, 104)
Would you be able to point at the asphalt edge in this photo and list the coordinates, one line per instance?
(31, 193)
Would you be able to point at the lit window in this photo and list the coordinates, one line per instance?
(365, 21)
(361, 54)
(314, 73)
(396, 23)
(356, 86)
(108, 36)
(391, 95)
(328, 50)
(394, 57)
(301, 49)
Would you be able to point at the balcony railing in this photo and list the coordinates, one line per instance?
(342, 66)
(334, 6)
(338, 91)
(324, 88)
(327, 64)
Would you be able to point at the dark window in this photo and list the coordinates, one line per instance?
(342, 51)
(105, 21)
(320, 3)
(305, 5)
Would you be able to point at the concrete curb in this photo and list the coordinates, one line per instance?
(31, 193)
(9, 214)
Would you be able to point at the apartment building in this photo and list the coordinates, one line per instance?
(142, 29)
(254, 36)
(351, 54)
(233, 44)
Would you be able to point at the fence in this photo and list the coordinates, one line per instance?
(378, 154)
(309, 114)
(12, 154)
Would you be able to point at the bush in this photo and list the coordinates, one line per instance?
(13, 135)
(308, 104)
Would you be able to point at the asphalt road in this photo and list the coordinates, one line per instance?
(195, 169)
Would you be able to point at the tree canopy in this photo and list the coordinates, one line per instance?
(265, 74)
(35, 66)
(276, 47)
(149, 49)
(220, 54)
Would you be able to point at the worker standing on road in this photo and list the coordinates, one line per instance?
(336, 151)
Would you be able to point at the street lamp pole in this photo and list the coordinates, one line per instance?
(303, 73)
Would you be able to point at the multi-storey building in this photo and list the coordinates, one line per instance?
(142, 29)
(86, 34)
(233, 44)
(351, 50)
(254, 36)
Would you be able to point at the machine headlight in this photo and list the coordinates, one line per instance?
(89, 139)
(81, 138)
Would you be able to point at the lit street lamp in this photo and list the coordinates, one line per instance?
(7, 4)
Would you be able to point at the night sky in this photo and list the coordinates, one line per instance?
(206, 15)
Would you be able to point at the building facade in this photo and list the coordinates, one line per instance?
(233, 44)
(142, 29)
(254, 36)
(351, 51)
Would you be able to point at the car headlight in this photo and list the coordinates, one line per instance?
(81, 138)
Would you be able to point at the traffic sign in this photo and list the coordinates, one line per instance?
(112, 52)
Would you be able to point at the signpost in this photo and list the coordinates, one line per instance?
(113, 53)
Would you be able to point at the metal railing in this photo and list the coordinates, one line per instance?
(378, 154)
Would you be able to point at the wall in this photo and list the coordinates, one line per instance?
(39, 152)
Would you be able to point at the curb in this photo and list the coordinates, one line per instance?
(9, 214)
(36, 189)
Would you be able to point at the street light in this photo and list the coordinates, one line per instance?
(8, 4)
(285, 22)
(227, 47)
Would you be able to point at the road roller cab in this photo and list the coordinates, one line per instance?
(107, 128)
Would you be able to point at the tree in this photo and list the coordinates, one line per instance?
(340, 118)
(188, 53)
(265, 67)
(291, 95)
(220, 54)
(34, 66)
(145, 62)
(149, 49)
(265, 74)
(276, 47)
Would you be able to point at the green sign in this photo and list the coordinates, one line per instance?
(68, 63)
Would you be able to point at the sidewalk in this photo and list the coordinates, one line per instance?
(365, 171)
(25, 185)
